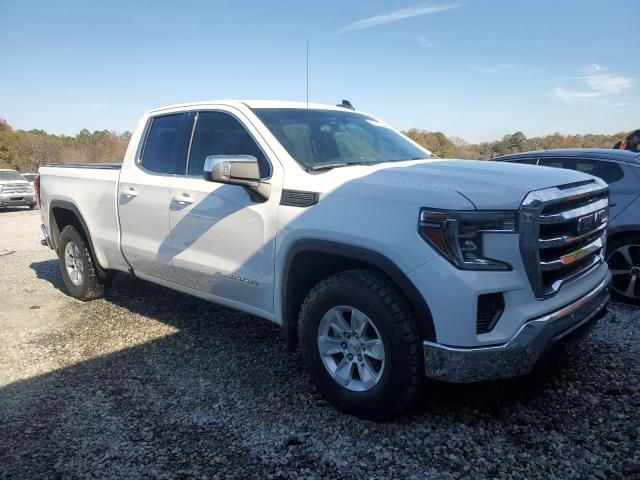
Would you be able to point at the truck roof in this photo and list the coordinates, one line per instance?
(254, 104)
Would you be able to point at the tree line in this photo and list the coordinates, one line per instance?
(444, 147)
(25, 151)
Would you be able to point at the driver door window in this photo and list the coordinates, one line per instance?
(219, 133)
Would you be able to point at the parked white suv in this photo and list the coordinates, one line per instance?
(382, 264)
(15, 190)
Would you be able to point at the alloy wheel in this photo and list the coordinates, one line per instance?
(73, 263)
(624, 264)
(351, 348)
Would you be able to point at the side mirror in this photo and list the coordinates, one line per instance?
(240, 170)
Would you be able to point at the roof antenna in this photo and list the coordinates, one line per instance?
(307, 74)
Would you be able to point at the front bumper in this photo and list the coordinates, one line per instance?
(17, 200)
(536, 339)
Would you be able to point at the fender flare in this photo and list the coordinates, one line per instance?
(66, 205)
(363, 255)
(624, 230)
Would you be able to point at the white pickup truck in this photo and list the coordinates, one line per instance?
(382, 264)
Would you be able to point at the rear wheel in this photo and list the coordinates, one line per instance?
(77, 267)
(624, 263)
(360, 344)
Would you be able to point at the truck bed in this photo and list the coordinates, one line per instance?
(90, 188)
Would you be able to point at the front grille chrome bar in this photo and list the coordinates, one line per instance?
(573, 257)
(566, 240)
(574, 213)
(20, 188)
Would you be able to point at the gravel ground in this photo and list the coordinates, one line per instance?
(152, 383)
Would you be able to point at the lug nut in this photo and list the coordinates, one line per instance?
(350, 357)
(360, 358)
(355, 335)
(343, 346)
(347, 335)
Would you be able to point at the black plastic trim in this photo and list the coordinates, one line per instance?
(299, 198)
(365, 256)
(62, 204)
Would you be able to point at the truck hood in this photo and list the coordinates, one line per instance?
(486, 184)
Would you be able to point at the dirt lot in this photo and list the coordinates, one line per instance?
(152, 383)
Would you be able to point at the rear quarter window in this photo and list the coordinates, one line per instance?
(610, 172)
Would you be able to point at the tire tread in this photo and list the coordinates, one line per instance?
(92, 287)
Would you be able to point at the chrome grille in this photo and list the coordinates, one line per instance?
(563, 232)
(16, 188)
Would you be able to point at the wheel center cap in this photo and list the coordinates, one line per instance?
(635, 271)
(354, 346)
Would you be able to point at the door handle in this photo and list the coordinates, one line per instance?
(184, 199)
(130, 192)
(612, 204)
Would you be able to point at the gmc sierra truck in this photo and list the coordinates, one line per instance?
(383, 265)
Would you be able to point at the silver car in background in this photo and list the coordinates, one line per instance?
(15, 190)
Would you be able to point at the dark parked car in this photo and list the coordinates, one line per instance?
(621, 170)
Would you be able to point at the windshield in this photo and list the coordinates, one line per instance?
(317, 137)
(9, 176)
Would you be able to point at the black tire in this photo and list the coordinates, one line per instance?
(91, 286)
(32, 206)
(399, 386)
(616, 261)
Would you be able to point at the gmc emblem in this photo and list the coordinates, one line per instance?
(586, 223)
(591, 221)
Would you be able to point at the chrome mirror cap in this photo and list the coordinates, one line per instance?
(242, 170)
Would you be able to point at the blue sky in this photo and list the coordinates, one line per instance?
(476, 69)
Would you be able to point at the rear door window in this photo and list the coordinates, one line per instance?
(527, 161)
(555, 162)
(165, 150)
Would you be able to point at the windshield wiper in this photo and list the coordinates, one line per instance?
(329, 166)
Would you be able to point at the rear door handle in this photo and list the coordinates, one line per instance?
(184, 199)
(130, 192)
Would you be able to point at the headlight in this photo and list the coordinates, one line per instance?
(459, 235)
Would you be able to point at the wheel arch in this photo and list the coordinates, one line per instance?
(623, 231)
(63, 213)
(309, 261)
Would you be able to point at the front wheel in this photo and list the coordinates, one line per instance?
(360, 344)
(77, 267)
